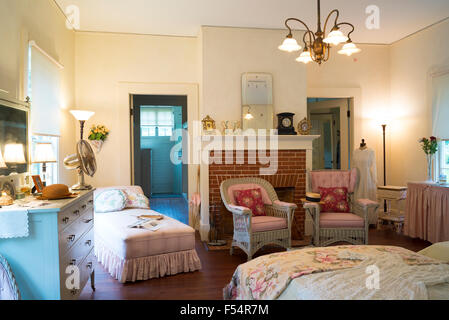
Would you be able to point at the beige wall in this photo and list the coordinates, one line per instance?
(104, 64)
(412, 62)
(388, 83)
(41, 21)
(365, 76)
(230, 52)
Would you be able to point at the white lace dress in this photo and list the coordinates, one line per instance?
(365, 162)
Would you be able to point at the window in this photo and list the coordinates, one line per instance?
(156, 121)
(43, 88)
(52, 168)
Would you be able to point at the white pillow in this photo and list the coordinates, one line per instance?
(439, 251)
(110, 201)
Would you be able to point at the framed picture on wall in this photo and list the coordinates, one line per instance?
(38, 183)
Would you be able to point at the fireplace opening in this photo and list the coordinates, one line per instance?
(286, 194)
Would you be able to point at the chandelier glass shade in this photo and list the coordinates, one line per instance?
(290, 45)
(305, 57)
(318, 45)
(349, 49)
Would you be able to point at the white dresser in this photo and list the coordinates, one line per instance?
(57, 259)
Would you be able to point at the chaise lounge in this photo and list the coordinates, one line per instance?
(131, 254)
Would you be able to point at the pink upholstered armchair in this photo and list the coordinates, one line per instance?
(331, 227)
(253, 232)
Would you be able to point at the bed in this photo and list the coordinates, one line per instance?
(340, 273)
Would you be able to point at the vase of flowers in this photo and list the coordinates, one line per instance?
(430, 147)
(97, 136)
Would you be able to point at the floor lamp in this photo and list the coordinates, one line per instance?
(384, 126)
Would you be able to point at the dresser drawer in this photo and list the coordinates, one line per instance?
(70, 235)
(86, 267)
(71, 214)
(79, 251)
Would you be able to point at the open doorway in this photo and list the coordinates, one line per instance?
(158, 146)
(331, 119)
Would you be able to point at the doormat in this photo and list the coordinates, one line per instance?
(307, 241)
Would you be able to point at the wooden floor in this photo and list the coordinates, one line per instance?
(218, 267)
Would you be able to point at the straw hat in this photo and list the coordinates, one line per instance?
(57, 191)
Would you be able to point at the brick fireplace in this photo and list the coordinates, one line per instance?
(289, 181)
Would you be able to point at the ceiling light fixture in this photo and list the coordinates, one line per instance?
(317, 45)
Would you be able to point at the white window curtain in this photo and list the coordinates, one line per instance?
(44, 91)
(440, 106)
(157, 121)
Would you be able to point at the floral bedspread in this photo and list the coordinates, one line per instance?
(266, 277)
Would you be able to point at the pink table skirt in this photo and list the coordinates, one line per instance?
(427, 212)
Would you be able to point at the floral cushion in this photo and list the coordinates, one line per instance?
(136, 200)
(335, 199)
(110, 201)
(251, 199)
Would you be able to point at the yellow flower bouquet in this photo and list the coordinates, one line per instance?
(98, 133)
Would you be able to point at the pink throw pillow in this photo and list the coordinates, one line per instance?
(251, 199)
(335, 199)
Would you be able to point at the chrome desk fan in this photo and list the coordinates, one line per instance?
(84, 159)
(84, 162)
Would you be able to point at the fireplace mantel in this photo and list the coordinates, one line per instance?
(232, 143)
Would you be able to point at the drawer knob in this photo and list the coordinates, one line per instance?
(73, 262)
(76, 212)
(71, 238)
(87, 220)
(65, 220)
(89, 265)
(88, 242)
(83, 206)
(90, 201)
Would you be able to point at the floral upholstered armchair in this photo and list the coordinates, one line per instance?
(253, 232)
(330, 227)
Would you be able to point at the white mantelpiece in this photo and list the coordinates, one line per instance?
(215, 142)
(236, 143)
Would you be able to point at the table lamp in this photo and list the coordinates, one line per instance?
(14, 154)
(44, 154)
(82, 116)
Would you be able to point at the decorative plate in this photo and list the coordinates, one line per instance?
(304, 127)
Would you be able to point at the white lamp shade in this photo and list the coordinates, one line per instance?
(349, 49)
(14, 153)
(336, 37)
(249, 116)
(305, 57)
(44, 153)
(289, 45)
(2, 162)
(82, 115)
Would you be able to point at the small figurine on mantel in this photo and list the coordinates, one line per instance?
(364, 159)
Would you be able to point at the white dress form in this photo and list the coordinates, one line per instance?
(364, 159)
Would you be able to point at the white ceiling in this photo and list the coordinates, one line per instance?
(398, 18)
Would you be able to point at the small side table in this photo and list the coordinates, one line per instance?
(312, 213)
(393, 195)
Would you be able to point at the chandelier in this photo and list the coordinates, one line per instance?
(317, 45)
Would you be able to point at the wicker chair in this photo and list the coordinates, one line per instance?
(349, 227)
(252, 233)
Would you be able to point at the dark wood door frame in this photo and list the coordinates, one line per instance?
(136, 101)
